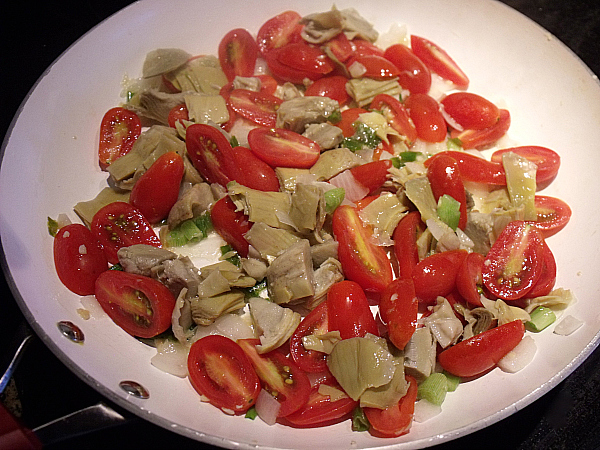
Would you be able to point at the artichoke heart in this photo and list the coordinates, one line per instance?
(268, 241)
(290, 275)
(202, 74)
(260, 206)
(203, 108)
(521, 184)
(163, 60)
(443, 323)
(333, 162)
(206, 309)
(88, 209)
(360, 363)
(389, 394)
(364, 90)
(274, 323)
(307, 208)
(419, 354)
(384, 213)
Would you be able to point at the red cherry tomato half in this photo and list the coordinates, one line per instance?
(470, 111)
(177, 114)
(78, 258)
(436, 275)
(425, 114)
(438, 61)
(119, 130)
(320, 410)
(348, 311)
(553, 214)
(258, 107)
(413, 74)
(209, 152)
(445, 179)
(251, 171)
(237, 54)
(279, 31)
(362, 260)
(283, 148)
(396, 115)
(340, 47)
(282, 377)
(398, 309)
(283, 72)
(120, 224)
(333, 87)
(305, 58)
(546, 160)
(375, 67)
(513, 264)
(469, 281)
(231, 225)
(487, 136)
(157, 190)
(316, 322)
(547, 279)
(349, 116)
(268, 84)
(220, 370)
(474, 168)
(372, 175)
(395, 420)
(142, 306)
(483, 351)
(405, 238)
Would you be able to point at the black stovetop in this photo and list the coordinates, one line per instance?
(35, 35)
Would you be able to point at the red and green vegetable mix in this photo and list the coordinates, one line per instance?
(367, 212)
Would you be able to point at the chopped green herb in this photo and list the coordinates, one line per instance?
(256, 290)
(454, 144)
(335, 117)
(251, 413)
(192, 229)
(333, 198)
(404, 157)
(541, 317)
(366, 135)
(52, 227)
(448, 211)
(117, 267)
(234, 259)
(359, 420)
(234, 142)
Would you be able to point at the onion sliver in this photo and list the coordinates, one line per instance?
(519, 356)
(267, 407)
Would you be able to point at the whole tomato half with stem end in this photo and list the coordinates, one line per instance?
(237, 54)
(142, 306)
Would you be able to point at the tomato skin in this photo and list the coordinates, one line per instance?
(481, 138)
(279, 31)
(78, 270)
(349, 312)
(372, 175)
(349, 116)
(341, 47)
(231, 225)
(413, 74)
(315, 322)
(220, 370)
(142, 306)
(471, 111)
(320, 410)
(436, 275)
(513, 265)
(251, 171)
(119, 130)
(398, 309)
(333, 87)
(546, 160)
(547, 279)
(120, 224)
(425, 114)
(395, 420)
(258, 107)
(237, 54)
(157, 190)
(475, 169)
(362, 261)
(445, 179)
(405, 237)
(396, 115)
(208, 149)
(283, 72)
(283, 148)
(364, 47)
(177, 114)
(553, 214)
(376, 67)
(438, 61)
(480, 353)
(469, 278)
(274, 368)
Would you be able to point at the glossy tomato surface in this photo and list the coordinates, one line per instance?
(470, 111)
(413, 75)
(209, 151)
(237, 54)
(395, 420)
(119, 130)
(283, 148)
(398, 309)
(315, 322)
(349, 311)
(142, 306)
(231, 225)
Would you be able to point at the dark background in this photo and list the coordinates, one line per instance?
(34, 36)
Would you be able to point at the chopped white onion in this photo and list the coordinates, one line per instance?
(425, 410)
(171, 357)
(519, 356)
(567, 326)
(267, 407)
(232, 326)
(353, 190)
(450, 120)
(357, 70)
